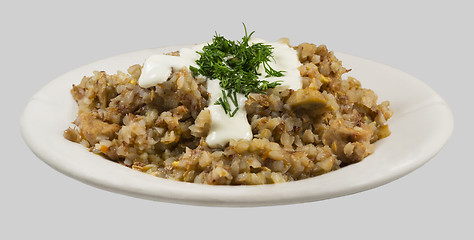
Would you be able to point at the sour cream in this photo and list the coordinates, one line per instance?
(223, 127)
(158, 68)
(286, 60)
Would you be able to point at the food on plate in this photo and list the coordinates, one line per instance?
(231, 113)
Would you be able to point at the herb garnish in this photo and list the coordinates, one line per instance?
(236, 64)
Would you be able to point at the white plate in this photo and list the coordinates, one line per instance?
(421, 125)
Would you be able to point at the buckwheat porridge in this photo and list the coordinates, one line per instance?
(231, 113)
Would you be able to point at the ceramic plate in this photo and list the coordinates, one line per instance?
(421, 125)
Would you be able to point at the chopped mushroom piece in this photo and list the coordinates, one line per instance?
(310, 101)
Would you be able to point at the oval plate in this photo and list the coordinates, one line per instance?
(422, 123)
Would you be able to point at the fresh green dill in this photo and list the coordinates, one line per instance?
(235, 64)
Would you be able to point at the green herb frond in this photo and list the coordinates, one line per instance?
(236, 65)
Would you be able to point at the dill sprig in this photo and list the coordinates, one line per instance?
(235, 64)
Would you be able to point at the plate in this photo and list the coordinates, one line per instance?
(422, 123)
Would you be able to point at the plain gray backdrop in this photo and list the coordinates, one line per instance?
(432, 40)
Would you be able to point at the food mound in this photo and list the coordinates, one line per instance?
(326, 124)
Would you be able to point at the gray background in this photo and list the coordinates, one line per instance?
(431, 40)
